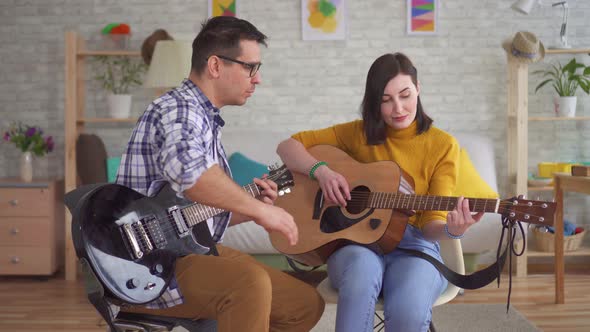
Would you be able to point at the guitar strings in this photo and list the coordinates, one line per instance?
(359, 199)
(170, 229)
(360, 194)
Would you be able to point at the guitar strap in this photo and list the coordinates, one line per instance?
(476, 280)
(203, 235)
(483, 277)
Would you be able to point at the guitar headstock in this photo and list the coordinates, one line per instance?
(282, 177)
(534, 212)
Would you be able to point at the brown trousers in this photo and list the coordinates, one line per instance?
(242, 294)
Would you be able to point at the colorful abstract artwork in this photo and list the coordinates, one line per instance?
(223, 8)
(323, 19)
(422, 17)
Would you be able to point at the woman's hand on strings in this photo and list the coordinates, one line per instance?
(333, 185)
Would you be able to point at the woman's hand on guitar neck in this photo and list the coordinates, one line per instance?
(333, 185)
(460, 219)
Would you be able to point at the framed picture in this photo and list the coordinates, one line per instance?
(323, 19)
(223, 8)
(422, 17)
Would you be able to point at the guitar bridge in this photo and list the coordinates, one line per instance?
(134, 248)
(144, 240)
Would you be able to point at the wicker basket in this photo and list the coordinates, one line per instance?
(545, 241)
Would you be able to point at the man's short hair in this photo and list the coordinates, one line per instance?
(222, 35)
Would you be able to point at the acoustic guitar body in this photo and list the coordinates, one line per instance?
(323, 227)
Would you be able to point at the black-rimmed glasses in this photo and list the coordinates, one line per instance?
(253, 67)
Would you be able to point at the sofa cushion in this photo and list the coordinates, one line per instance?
(244, 169)
(469, 182)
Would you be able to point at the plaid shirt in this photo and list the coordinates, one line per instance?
(175, 141)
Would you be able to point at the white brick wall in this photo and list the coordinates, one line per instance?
(305, 84)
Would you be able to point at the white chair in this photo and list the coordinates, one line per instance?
(452, 256)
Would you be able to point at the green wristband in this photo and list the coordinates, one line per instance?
(315, 167)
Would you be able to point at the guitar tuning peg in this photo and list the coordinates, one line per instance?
(288, 190)
(281, 192)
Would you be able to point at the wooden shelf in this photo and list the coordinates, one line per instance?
(567, 50)
(543, 188)
(108, 52)
(518, 145)
(554, 118)
(77, 54)
(106, 120)
(582, 251)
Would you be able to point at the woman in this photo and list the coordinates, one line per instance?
(394, 127)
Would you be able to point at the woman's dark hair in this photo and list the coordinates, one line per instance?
(222, 35)
(381, 72)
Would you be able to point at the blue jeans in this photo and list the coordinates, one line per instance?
(409, 285)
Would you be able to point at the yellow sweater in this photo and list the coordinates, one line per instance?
(431, 158)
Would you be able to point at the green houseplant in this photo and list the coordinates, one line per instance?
(565, 80)
(118, 74)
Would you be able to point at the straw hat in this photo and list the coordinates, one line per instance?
(524, 47)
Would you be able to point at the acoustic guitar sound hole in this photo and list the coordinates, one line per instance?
(359, 199)
(333, 220)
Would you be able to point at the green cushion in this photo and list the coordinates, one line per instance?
(112, 168)
(245, 169)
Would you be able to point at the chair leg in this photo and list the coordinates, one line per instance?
(380, 325)
(431, 327)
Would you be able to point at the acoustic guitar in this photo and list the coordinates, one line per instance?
(371, 217)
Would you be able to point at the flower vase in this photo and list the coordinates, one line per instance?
(26, 166)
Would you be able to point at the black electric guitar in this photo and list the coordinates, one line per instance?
(132, 241)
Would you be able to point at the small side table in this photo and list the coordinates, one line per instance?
(31, 226)
(565, 182)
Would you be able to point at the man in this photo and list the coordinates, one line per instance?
(177, 141)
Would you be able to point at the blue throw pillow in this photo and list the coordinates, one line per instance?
(245, 169)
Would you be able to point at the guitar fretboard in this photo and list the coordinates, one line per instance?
(196, 213)
(428, 203)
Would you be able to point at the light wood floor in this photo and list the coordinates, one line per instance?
(27, 304)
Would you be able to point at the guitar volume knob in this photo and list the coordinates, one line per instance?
(157, 269)
(132, 283)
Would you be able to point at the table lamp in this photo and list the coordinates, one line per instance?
(525, 7)
(171, 63)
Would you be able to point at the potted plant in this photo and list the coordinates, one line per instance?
(118, 74)
(30, 140)
(566, 80)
